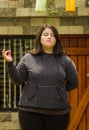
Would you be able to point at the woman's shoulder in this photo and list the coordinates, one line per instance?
(27, 55)
(69, 61)
(65, 60)
(65, 57)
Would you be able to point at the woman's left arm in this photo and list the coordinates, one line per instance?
(71, 75)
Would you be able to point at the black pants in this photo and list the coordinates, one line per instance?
(36, 121)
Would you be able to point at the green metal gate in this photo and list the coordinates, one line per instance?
(10, 93)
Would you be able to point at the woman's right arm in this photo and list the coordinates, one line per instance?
(18, 74)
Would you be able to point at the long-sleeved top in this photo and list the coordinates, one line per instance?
(47, 79)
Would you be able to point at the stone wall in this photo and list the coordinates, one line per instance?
(30, 25)
(9, 121)
(19, 17)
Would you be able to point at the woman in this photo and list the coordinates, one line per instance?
(48, 74)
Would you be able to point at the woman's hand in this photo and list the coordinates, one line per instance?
(6, 54)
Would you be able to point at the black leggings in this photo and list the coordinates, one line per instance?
(36, 121)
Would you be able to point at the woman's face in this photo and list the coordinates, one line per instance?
(48, 39)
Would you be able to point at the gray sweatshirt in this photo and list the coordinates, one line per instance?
(47, 80)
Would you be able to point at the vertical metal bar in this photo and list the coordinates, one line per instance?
(9, 95)
(21, 54)
(14, 102)
(21, 50)
(30, 41)
(33, 43)
(4, 79)
(25, 45)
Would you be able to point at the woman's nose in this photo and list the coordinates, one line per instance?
(49, 36)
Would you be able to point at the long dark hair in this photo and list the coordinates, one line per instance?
(57, 50)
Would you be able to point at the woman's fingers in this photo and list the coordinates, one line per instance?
(7, 55)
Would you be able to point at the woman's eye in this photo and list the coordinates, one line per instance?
(46, 34)
(52, 34)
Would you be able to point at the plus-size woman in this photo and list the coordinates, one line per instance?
(48, 74)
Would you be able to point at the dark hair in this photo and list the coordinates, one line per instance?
(57, 50)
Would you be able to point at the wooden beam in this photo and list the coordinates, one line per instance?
(76, 51)
(80, 110)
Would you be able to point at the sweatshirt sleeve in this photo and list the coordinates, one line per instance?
(71, 75)
(18, 74)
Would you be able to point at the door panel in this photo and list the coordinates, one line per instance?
(77, 47)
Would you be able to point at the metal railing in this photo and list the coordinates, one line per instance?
(10, 93)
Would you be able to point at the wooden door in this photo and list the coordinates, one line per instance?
(77, 47)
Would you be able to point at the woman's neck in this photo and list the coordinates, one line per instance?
(48, 51)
